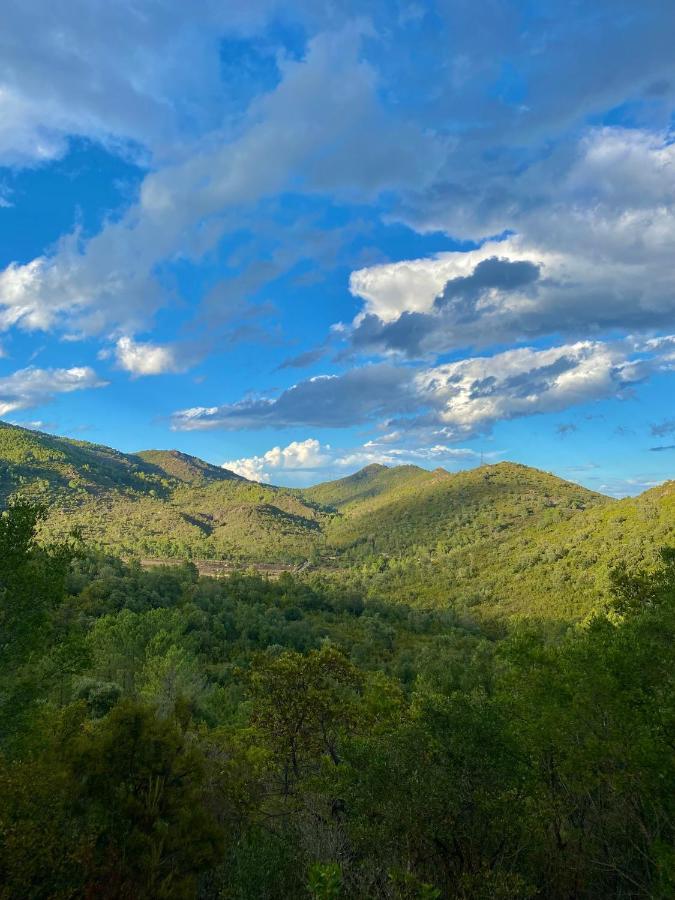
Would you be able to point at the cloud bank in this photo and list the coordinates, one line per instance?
(591, 254)
(457, 400)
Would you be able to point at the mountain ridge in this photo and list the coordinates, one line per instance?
(507, 537)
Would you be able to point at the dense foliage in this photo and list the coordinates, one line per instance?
(498, 541)
(168, 735)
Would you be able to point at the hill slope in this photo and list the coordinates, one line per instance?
(404, 509)
(55, 467)
(503, 539)
(365, 485)
(154, 503)
(185, 468)
(554, 562)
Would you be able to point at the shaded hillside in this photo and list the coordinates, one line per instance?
(54, 467)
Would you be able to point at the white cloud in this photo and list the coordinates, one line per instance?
(36, 425)
(35, 387)
(472, 394)
(413, 285)
(452, 401)
(146, 358)
(309, 460)
(618, 487)
(386, 455)
(600, 227)
(305, 455)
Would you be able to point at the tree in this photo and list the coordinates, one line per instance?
(139, 783)
(301, 706)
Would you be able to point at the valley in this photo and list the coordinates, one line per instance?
(403, 683)
(502, 539)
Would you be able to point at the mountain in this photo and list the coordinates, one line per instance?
(373, 481)
(154, 503)
(400, 509)
(506, 539)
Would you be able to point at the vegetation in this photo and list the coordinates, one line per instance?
(496, 542)
(155, 503)
(165, 735)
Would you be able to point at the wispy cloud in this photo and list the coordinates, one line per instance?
(35, 387)
(663, 428)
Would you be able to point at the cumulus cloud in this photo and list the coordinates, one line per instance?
(297, 456)
(591, 254)
(34, 387)
(146, 358)
(472, 394)
(455, 400)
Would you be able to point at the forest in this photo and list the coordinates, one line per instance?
(166, 735)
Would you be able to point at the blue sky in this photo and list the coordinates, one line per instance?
(297, 238)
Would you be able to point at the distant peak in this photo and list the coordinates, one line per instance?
(372, 469)
(184, 467)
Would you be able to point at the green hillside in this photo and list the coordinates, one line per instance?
(404, 509)
(503, 540)
(366, 486)
(154, 503)
(551, 562)
(185, 468)
(54, 467)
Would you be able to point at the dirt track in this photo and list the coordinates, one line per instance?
(218, 568)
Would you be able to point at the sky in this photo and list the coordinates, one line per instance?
(298, 238)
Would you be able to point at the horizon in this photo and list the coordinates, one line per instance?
(308, 481)
(293, 241)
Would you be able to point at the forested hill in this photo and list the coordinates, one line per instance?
(506, 537)
(184, 468)
(155, 502)
(57, 467)
(391, 511)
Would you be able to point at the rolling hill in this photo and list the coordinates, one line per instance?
(404, 509)
(154, 503)
(505, 539)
